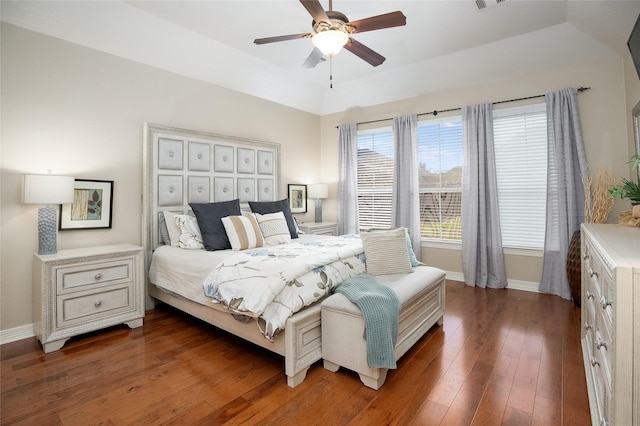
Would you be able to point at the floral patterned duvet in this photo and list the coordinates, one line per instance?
(271, 283)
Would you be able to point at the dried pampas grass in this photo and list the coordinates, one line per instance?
(597, 199)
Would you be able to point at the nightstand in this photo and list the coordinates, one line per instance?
(80, 290)
(321, 228)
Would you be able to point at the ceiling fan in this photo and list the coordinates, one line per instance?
(332, 30)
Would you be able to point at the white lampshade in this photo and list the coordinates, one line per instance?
(318, 191)
(47, 189)
(330, 42)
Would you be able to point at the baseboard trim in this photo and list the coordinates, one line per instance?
(523, 285)
(17, 333)
(511, 284)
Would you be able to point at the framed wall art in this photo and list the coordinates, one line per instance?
(91, 208)
(297, 198)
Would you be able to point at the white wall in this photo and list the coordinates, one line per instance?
(80, 112)
(604, 114)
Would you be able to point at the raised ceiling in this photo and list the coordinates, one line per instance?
(445, 44)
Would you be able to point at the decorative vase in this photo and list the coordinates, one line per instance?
(574, 270)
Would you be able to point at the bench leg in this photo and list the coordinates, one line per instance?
(374, 383)
(331, 366)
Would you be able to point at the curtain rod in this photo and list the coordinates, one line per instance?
(436, 112)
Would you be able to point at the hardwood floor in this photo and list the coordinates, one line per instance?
(501, 357)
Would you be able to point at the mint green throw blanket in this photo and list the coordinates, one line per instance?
(380, 308)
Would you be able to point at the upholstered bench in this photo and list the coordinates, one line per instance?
(422, 298)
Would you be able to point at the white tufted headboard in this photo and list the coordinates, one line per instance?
(185, 166)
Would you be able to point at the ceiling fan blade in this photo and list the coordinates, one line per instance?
(316, 10)
(387, 20)
(359, 49)
(313, 59)
(280, 38)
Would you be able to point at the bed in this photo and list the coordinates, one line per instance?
(182, 167)
(191, 177)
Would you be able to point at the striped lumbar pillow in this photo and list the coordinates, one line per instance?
(386, 252)
(243, 232)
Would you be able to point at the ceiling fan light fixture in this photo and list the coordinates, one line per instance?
(330, 42)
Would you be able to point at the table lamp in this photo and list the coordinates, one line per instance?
(47, 189)
(318, 191)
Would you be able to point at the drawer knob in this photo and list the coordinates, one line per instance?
(595, 361)
(587, 326)
(97, 303)
(585, 256)
(592, 273)
(600, 344)
(589, 295)
(98, 276)
(604, 302)
(603, 422)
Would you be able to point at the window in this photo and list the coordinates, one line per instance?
(520, 138)
(375, 178)
(440, 178)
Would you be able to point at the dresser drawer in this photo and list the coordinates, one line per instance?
(81, 307)
(589, 328)
(93, 274)
(595, 273)
(602, 347)
(607, 299)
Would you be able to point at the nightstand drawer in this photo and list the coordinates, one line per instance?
(90, 306)
(71, 278)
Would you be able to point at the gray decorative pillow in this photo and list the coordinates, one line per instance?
(209, 216)
(386, 252)
(162, 227)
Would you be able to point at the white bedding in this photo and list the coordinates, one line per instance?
(272, 283)
(184, 272)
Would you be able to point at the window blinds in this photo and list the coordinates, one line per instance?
(520, 137)
(440, 176)
(375, 178)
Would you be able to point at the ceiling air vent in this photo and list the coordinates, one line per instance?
(488, 4)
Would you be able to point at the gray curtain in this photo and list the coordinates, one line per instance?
(405, 207)
(482, 253)
(348, 180)
(566, 163)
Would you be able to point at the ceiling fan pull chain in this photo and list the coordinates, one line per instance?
(330, 72)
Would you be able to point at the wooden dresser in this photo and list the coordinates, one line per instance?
(611, 322)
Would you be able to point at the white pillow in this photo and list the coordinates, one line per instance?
(386, 252)
(243, 232)
(274, 228)
(172, 227)
(190, 237)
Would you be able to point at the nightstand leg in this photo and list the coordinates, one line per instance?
(135, 323)
(54, 346)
